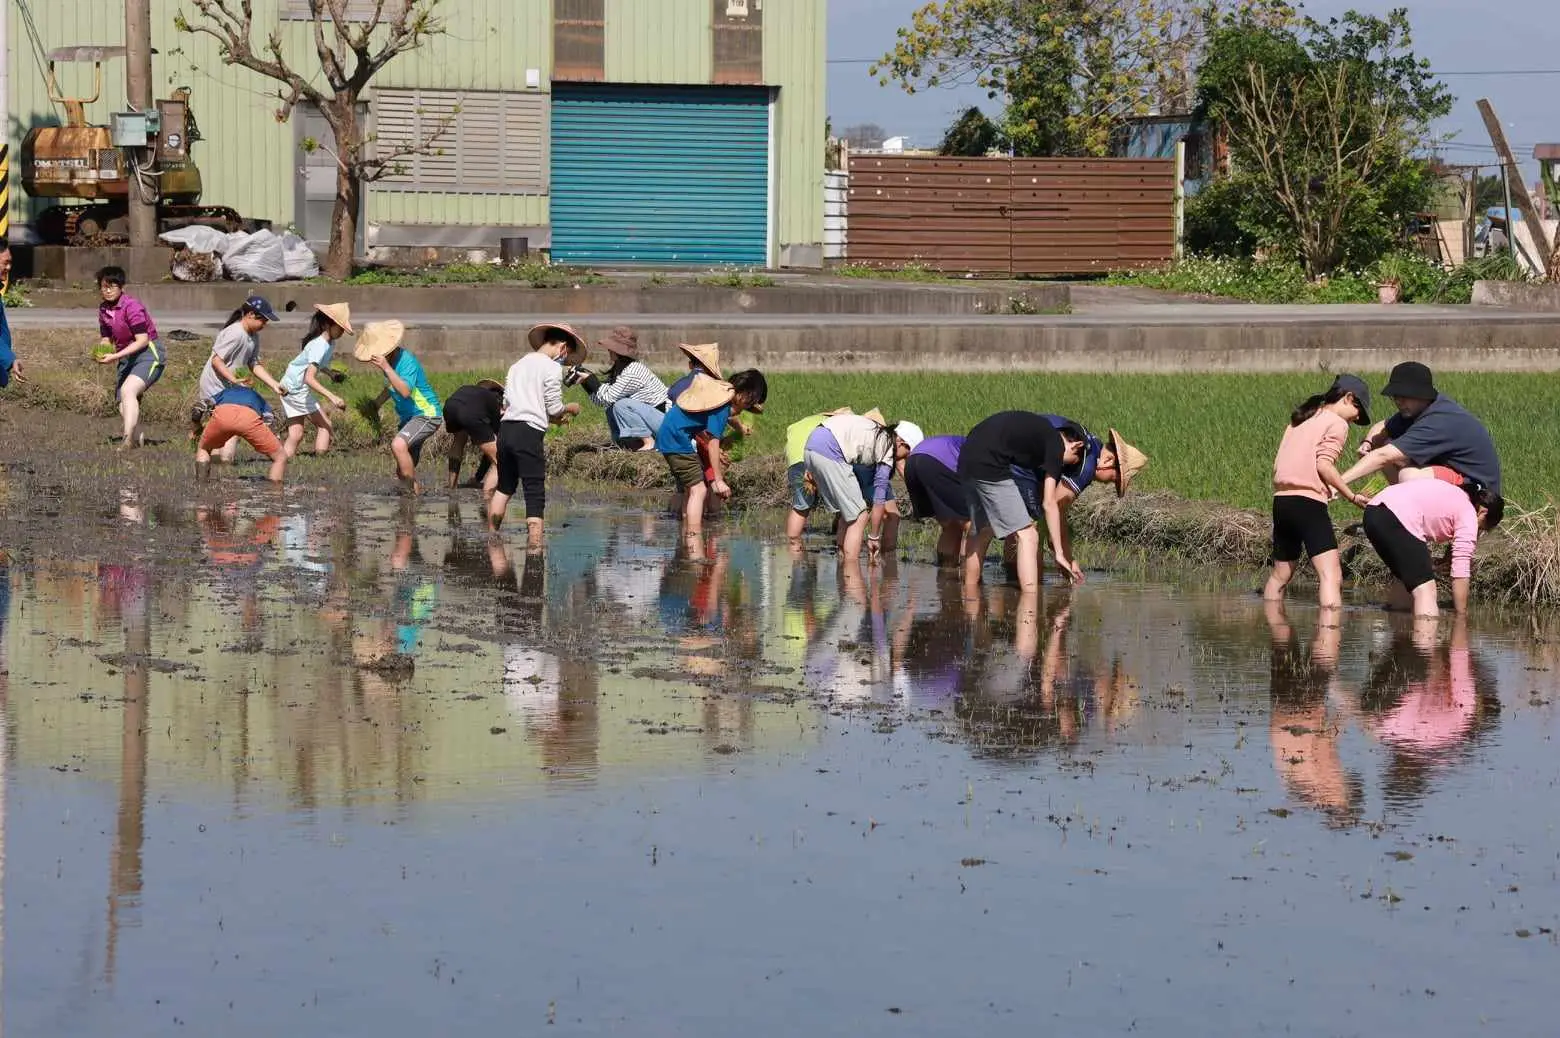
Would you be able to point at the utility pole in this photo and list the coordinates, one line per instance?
(138, 91)
(1514, 186)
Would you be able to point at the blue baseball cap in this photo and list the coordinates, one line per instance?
(261, 307)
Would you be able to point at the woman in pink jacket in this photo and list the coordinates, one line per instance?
(1405, 519)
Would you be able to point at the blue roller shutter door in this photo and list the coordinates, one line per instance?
(660, 175)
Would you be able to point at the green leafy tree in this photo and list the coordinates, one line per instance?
(1070, 70)
(972, 134)
(1325, 124)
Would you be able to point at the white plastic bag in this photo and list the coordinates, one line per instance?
(260, 257)
(298, 258)
(197, 239)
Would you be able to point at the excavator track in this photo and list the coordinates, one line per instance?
(100, 225)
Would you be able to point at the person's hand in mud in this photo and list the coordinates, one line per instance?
(1071, 569)
(721, 489)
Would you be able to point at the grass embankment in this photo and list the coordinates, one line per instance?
(1277, 281)
(1210, 438)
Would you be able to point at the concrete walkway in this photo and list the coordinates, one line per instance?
(1090, 314)
(1113, 331)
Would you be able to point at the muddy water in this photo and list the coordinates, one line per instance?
(327, 764)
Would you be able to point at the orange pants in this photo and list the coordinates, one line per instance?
(230, 420)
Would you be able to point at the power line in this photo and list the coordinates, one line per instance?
(1433, 72)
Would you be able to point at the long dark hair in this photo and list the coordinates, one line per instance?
(238, 315)
(1486, 498)
(1307, 410)
(317, 327)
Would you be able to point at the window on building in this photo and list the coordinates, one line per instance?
(493, 142)
(357, 10)
(738, 26)
(579, 40)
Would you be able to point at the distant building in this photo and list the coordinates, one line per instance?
(627, 131)
(1155, 137)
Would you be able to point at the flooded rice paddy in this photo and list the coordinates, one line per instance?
(331, 764)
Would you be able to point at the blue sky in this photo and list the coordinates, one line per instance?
(1456, 36)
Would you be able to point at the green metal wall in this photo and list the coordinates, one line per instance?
(794, 38)
(249, 159)
(246, 157)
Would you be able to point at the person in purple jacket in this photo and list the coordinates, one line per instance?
(129, 340)
(932, 479)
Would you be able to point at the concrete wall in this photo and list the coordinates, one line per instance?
(1538, 298)
(465, 300)
(1049, 344)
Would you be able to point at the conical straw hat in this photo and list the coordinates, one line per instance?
(1129, 462)
(707, 353)
(705, 394)
(379, 339)
(341, 313)
(540, 333)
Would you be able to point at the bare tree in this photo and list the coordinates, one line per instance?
(352, 44)
(864, 136)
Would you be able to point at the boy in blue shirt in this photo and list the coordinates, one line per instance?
(240, 411)
(417, 407)
(690, 437)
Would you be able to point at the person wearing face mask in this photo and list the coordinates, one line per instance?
(533, 400)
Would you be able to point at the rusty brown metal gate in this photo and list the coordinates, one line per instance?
(1011, 217)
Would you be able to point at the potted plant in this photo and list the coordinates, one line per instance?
(1390, 273)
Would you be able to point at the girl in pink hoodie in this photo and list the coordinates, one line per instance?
(1305, 479)
(1406, 518)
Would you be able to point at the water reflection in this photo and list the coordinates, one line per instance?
(1427, 701)
(351, 701)
(395, 652)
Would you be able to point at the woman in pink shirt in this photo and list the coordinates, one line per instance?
(1305, 479)
(1406, 518)
(129, 339)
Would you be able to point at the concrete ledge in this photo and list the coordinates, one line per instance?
(58, 263)
(874, 297)
(1059, 345)
(1164, 339)
(1517, 295)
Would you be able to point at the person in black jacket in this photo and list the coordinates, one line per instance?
(471, 415)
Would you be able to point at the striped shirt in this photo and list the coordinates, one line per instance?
(635, 382)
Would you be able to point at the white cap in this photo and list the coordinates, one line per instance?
(910, 433)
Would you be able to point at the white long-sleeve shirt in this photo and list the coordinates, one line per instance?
(533, 391)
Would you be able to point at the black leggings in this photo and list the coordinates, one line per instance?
(1406, 556)
(522, 463)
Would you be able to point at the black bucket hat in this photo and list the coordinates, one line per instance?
(1411, 379)
(1356, 385)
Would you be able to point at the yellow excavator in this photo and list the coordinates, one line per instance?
(80, 162)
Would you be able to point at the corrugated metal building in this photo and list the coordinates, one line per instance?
(628, 131)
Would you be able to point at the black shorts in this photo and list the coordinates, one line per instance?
(472, 421)
(521, 457)
(935, 490)
(1301, 522)
(1406, 556)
